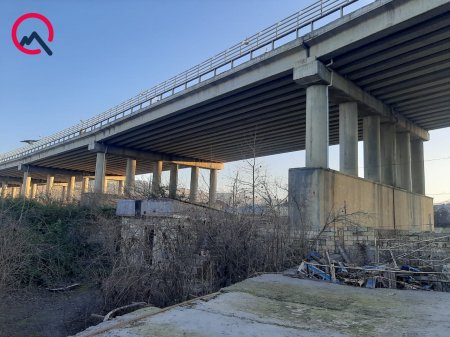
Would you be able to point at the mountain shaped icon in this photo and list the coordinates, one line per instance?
(27, 40)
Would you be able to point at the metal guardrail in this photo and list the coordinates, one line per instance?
(266, 40)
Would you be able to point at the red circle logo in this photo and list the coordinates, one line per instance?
(28, 39)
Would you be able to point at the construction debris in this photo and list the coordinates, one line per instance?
(388, 275)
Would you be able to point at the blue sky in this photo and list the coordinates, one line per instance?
(106, 51)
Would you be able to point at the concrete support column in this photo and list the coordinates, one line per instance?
(34, 191)
(85, 185)
(348, 138)
(130, 176)
(156, 182)
(71, 189)
(388, 153)
(26, 184)
(417, 167)
(194, 184)
(212, 187)
(14, 191)
(121, 188)
(403, 161)
(317, 126)
(173, 185)
(372, 148)
(63, 193)
(100, 168)
(4, 192)
(49, 185)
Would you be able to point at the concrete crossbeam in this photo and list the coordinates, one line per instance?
(343, 90)
(51, 171)
(150, 155)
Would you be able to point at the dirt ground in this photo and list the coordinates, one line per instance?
(40, 313)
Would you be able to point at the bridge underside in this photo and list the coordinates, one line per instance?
(259, 108)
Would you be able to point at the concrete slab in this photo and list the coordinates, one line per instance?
(277, 305)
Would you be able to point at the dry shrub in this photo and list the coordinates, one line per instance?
(15, 255)
(173, 260)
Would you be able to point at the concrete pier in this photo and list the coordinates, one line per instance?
(4, 191)
(317, 126)
(33, 194)
(71, 189)
(121, 188)
(49, 185)
(100, 168)
(85, 185)
(388, 153)
(173, 184)
(348, 138)
(372, 148)
(156, 182)
(417, 167)
(212, 187)
(404, 161)
(193, 194)
(26, 185)
(130, 176)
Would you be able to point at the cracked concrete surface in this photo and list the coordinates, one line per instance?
(277, 305)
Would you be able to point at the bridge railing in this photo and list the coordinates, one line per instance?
(253, 46)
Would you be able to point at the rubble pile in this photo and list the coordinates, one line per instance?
(338, 268)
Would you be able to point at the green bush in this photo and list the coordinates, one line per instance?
(50, 241)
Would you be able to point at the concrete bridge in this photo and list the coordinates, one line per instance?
(380, 73)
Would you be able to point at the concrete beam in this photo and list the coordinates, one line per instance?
(151, 155)
(353, 92)
(51, 171)
(343, 90)
(203, 165)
